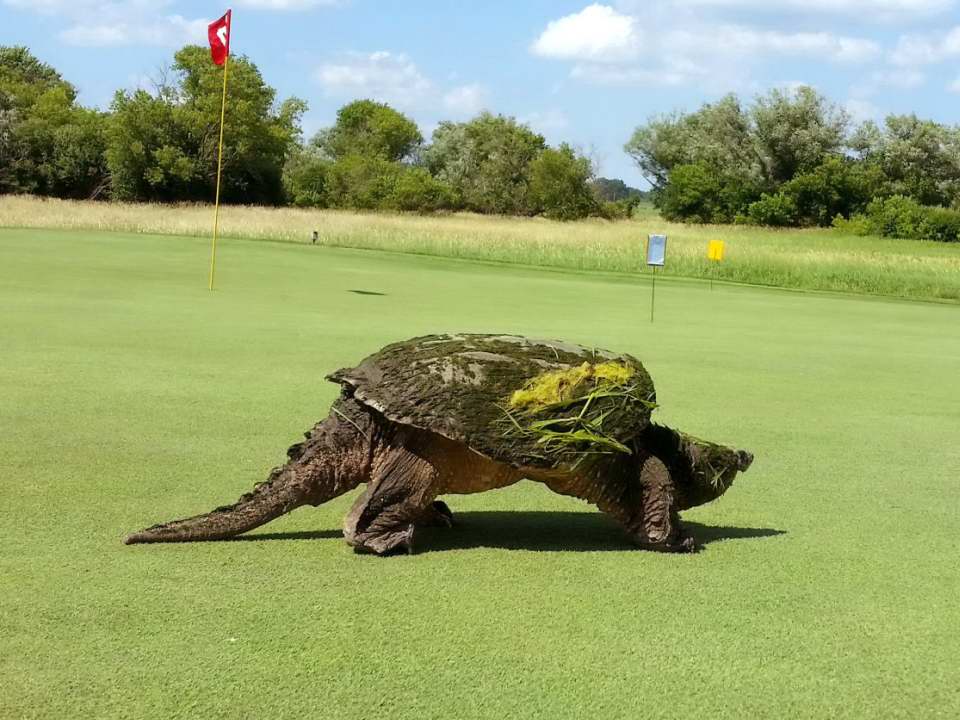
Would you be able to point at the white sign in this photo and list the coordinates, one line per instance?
(656, 250)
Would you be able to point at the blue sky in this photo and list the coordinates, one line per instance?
(575, 71)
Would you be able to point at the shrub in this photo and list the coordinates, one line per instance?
(305, 179)
(777, 210)
(692, 194)
(902, 217)
(361, 183)
(417, 190)
(701, 194)
(559, 184)
(940, 224)
(896, 216)
(858, 224)
(835, 187)
(617, 209)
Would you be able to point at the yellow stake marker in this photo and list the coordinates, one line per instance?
(216, 211)
(715, 253)
(715, 250)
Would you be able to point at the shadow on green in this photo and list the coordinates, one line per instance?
(552, 531)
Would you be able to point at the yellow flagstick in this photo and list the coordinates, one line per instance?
(216, 210)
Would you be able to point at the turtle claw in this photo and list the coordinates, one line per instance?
(686, 545)
(437, 514)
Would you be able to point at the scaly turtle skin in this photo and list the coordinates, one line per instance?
(457, 414)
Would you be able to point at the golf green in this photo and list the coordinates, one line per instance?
(130, 394)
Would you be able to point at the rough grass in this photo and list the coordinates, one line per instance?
(129, 394)
(803, 259)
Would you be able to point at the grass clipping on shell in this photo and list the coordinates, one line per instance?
(581, 411)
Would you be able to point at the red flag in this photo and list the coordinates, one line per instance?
(218, 33)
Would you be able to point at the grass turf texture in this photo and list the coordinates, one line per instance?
(801, 259)
(130, 394)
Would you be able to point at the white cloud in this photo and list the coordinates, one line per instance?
(907, 79)
(610, 47)
(598, 33)
(862, 110)
(902, 79)
(385, 76)
(738, 40)
(395, 79)
(100, 22)
(620, 75)
(171, 30)
(880, 10)
(465, 100)
(547, 122)
(284, 4)
(791, 87)
(913, 50)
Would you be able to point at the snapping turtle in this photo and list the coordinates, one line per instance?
(455, 414)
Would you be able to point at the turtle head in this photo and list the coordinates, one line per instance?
(701, 471)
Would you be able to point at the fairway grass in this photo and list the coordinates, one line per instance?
(129, 395)
(815, 259)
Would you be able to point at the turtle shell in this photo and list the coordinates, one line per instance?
(465, 387)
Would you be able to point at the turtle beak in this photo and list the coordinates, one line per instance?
(745, 459)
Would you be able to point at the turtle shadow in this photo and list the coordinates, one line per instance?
(296, 535)
(545, 531)
(368, 292)
(557, 531)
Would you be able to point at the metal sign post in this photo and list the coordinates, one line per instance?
(656, 256)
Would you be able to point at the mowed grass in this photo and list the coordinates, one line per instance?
(815, 259)
(129, 394)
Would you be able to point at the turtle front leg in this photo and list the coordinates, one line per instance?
(657, 525)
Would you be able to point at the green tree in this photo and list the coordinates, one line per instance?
(486, 162)
(305, 177)
(150, 153)
(560, 184)
(614, 190)
(838, 186)
(164, 146)
(417, 190)
(793, 132)
(692, 192)
(776, 210)
(718, 136)
(362, 182)
(49, 145)
(369, 129)
(919, 158)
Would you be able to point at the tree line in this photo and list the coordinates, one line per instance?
(793, 158)
(788, 158)
(161, 146)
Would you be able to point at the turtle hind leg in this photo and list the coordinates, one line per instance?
(400, 494)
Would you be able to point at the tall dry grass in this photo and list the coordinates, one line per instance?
(803, 259)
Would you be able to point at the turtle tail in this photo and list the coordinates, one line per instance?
(281, 493)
